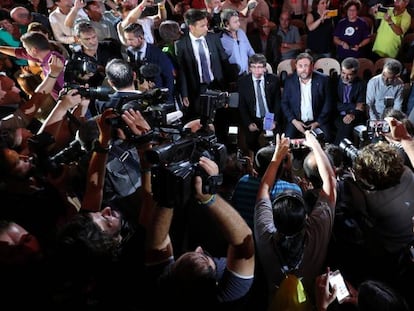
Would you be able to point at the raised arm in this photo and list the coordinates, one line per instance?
(240, 251)
(56, 67)
(399, 133)
(269, 177)
(324, 167)
(92, 200)
(73, 13)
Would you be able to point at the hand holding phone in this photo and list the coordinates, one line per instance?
(336, 279)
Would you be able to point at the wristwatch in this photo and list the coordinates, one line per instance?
(97, 147)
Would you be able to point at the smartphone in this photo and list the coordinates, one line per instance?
(382, 9)
(332, 13)
(336, 279)
(268, 121)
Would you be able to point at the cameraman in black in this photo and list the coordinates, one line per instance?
(98, 53)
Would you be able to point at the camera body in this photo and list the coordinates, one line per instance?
(175, 164)
(382, 9)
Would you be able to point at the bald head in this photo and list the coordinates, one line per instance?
(21, 15)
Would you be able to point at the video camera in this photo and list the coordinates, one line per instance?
(99, 93)
(78, 69)
(153, 106)
(38, 145)
(374, 129)
(176, 163)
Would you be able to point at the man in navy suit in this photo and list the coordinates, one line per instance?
(249, 106)
(140, 53)
(193, 80)
(307, 100)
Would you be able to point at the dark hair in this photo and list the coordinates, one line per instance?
(191, 280)
(83, 27)
(289, 212)
(257, 59)
(303, 56)
(351, 63)
(192, 16)
(169, 31)
(136, 29)
(226, 14)
(393, 65)
(289, 216)
(36, 40)
(350, 3)
(120, 73)
(82, 243)
(36, 26)
(5, 15)
(377, 296)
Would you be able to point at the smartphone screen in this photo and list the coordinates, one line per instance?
(335, 278)
(268, 121)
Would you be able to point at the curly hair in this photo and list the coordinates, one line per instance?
(379, 165)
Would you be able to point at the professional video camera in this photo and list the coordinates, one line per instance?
(78, 70)
(176, 163)
(366, 134)
(153, 106)
(52, 165)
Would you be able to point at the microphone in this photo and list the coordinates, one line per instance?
(173, 116)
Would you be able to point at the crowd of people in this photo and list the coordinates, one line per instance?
(125, 186)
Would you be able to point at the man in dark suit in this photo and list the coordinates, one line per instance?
(140, 53)
(350, 100)
(307, 100)
(249, 103)
(195, 75)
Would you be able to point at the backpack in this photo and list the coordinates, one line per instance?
(123, 175)
(290, 296)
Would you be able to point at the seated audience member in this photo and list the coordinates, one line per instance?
(351, 34)
(291, 41)
(265, 40)
(259, 99)
(307, 100)
(290, 240)
(385, 90)
(350, 99)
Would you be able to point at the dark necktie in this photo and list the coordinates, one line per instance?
(203, 60)
(260, 99)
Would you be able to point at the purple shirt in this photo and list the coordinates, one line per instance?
(352, 33)
(22, 53)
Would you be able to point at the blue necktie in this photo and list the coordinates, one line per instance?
(203, 60)
(260, 99)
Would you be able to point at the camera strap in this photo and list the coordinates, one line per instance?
(74, 123)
